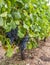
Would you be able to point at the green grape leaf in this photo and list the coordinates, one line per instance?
(1, 2)
(1, 21)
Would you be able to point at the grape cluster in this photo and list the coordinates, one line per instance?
(23, 42)
(12, 35)
(22, 46)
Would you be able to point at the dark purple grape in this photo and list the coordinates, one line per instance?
(11, 40)
(8, 34)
